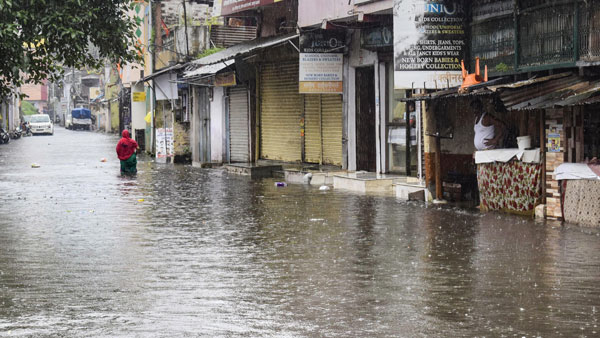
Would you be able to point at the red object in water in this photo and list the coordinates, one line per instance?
(126, 146)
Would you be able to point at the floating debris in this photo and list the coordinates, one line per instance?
(307, 178)
(35, 165)
(280, 184)
(324, 187)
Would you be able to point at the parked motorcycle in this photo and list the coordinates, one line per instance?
(15, 134)
(4, 137)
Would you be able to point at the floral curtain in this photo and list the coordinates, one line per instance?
(513, 186)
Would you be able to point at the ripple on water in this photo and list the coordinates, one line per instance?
(181, 251)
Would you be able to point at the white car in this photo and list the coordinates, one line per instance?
(41, 124)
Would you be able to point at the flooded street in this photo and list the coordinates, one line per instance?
(185, 252)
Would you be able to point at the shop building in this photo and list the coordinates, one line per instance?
(545, 91)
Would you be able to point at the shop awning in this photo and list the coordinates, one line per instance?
(170, 69)
(558, 90)
(208, 70)
(240, 49)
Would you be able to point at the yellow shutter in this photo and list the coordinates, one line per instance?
(331, 107)
(280, 112)
(323, 120)
(312, 138)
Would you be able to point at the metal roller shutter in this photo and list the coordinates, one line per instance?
(331, 107)
(312, 127)
(280, 112)
(238, 125)
(323, 121)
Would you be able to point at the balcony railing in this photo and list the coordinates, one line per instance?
(537, 36)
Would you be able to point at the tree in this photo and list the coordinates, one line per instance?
(28, 108)
(40, 38)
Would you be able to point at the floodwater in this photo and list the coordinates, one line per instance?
(187, 252)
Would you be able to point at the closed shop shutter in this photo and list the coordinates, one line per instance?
(280, 112)
(323, 120)
(238, 125)
(331, 106)
(312, 138)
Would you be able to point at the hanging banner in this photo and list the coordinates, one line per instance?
(321, 73)
(429, 42)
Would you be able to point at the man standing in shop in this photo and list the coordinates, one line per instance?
(489, 131)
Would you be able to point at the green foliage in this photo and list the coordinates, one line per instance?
(208, 52)
(502, 67)
(39, 38)
(27, 108)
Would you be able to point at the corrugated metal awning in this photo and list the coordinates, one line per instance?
(560, 90)
(210, 69)
(557, 90)
(240, 49)
(163, 71)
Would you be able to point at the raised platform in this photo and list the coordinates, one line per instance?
(318, 178)
(252, 170)
(406, 188)
(411, 192)
(364, 183)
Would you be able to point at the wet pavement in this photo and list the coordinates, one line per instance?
(186, 252)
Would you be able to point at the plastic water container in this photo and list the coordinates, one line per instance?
(524, 142)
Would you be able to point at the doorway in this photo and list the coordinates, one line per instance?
(203, 123)
(366, 149)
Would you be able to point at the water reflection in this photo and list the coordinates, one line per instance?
(448, 270)
(181, 251)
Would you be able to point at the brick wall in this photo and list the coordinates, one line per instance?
(554, 125)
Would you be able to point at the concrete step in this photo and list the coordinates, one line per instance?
(318, 178)
(254, 171)
(411, 192)
(363, 185)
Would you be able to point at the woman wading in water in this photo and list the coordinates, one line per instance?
(126, 151)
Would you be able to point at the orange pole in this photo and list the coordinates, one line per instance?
(485, 77)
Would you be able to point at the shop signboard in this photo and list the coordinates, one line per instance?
(375, 38)
(225, 79)
(321, 73)
(234, 6)
(139, 96)
(429, 43)
(322, 41)
(321, 62)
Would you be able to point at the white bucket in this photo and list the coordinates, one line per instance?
(524, 142)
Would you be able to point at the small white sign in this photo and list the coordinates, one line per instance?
(164, 143)
(321, 67)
